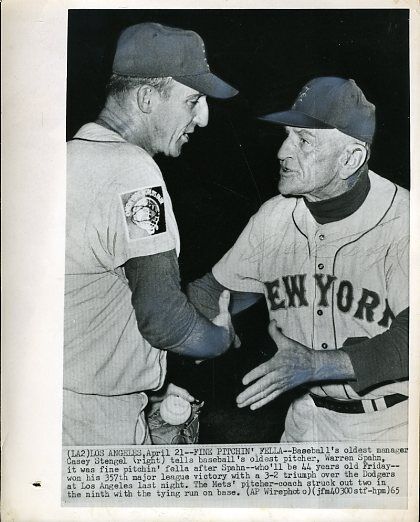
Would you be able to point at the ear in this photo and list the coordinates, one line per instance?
(146, 96)
(352, 158)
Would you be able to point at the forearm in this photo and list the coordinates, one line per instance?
(382, 358)
(332, 365)
(165, 317)
(204, 294)
(369, 362)
(204, 341)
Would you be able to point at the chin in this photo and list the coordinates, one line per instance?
(173, 153)
(286, 189)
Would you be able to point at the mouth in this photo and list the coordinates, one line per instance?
(185, 136)
(284, 171)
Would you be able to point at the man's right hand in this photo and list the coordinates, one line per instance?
(224, 319)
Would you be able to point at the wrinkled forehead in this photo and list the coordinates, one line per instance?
(320, 135)
(300, 131)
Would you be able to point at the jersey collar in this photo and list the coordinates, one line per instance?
(371, 213)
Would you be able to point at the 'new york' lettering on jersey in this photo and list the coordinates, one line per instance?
(290, 292)
(325, 284)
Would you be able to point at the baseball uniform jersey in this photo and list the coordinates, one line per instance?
(118, 208)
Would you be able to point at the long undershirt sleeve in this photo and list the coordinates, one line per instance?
(382, 358)
(165, 317)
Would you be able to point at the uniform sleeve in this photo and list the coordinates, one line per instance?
(240, 268)
(382, 358)
(131, 223)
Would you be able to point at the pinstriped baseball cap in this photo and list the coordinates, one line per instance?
(151, 50)
(330, 103)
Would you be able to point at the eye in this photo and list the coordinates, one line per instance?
(303, 140)
(192, 103)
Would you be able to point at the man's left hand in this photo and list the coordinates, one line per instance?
(292, 365)
(171, 389)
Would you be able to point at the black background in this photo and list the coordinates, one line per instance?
(229, 168)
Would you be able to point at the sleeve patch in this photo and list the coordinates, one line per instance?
(144, 211)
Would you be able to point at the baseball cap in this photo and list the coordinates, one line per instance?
(152, 50)
(330, 103)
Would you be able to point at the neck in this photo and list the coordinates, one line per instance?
(336, 186)
(122, 120)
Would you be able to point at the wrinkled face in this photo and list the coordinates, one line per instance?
(176, 117)
(309, 163)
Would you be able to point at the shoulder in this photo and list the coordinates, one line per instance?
(135, 172)
(395, 201)
(402, 199)
(382, 187)
(110, 162)
(278, 207)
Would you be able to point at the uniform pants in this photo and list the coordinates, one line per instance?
(306, 422)
(94, 420)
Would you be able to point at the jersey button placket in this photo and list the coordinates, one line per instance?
(323, 320)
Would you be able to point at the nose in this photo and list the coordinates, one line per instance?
(201, 117)
(285, 150)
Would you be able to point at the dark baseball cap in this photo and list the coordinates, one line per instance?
(330, 103)
(151, 50)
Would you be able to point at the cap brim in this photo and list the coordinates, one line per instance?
(295, 119)
(208, 84)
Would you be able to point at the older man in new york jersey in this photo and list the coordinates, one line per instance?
(330, 254)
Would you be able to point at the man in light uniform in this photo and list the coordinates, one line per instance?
(123, 303)
(330, 254)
